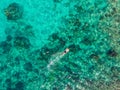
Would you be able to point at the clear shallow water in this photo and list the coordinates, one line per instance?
(35, 33)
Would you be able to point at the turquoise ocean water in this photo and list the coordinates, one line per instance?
(60, 45)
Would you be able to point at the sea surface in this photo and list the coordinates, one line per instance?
(59, 44)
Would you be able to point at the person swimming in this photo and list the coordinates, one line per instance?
(66, 51)
(57, 57)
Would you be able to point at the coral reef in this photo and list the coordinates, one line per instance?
(81, 54)
(21, 42)
(14, 11)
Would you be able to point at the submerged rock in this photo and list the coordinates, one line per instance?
(112, 53)
(14, 11)
(22, 42)
(9, 38)
(8, 82)
(6, 46)
(74, 48)
(19, 86)
(28, 66)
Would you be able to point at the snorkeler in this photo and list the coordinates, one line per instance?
(57, 57)
(66, 51)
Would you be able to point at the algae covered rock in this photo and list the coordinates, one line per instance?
(19, 85)
(28, 66)
(6, 46)
(14, 11)
(22, 42)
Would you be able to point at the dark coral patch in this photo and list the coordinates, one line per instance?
(87, 40)
(62, 41)
(13, 11)
(112, 53)
(22, 42)
(6, 46)
(74, 48)
(19, 85)
(9, 38)
(94, 56)
(28, 66)
(57, 1)
(115, 71)
(8, 82)
(54, 37)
